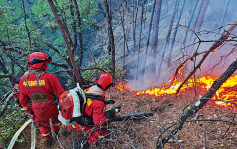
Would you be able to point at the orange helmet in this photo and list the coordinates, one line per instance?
(16, 86)
(37, 59)
(105, 80)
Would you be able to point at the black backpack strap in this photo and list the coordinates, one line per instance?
(92, 96)
(38, 75)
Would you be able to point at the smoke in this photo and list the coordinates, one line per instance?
(141, 77)
(214, 65)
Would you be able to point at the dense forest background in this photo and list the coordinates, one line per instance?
(148, 36)
(143, 41)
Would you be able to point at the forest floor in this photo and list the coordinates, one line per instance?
(167, 110)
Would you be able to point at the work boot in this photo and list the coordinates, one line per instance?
(49, 142)
(80, 144)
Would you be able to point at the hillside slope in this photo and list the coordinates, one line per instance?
(212, 133)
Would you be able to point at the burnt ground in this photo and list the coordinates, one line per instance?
(167, 110)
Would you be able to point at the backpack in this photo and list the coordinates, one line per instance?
(71, 104)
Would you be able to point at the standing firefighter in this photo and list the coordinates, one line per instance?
(38, 92)
(94, 111)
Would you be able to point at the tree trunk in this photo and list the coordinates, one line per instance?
(167, 38)
(201, 17)
(152, 68)
(200, 103)
(167, 6)
(74, 28)
(125, 44)
(148, 39)
(80, 32)
(139, 45)
(60, 24)
(135, 23)
(224, 14)
(195, 22)
(175, 32)
(27, 29)
(189, 23)
(111, 36)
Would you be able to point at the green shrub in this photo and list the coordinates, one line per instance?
(10, 122)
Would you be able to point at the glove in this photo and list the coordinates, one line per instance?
(111, 113)
(116, 109)
(85, 121)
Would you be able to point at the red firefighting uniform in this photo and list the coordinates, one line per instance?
(43, 111)
(96, 109)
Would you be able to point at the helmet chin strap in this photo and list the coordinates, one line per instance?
(44, 67)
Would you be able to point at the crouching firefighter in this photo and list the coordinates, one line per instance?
(38, 91)
(85, 110)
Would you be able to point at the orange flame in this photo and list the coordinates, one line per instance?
(226, 95)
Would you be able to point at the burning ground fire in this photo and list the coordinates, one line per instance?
(226, 96)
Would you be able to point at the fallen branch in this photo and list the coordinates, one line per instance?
(200, 103)
(131, 116)
(213, 120)
(6, 103)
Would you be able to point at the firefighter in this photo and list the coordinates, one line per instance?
(15, 98)
(39, 91)
(96, 110)
(16, 95)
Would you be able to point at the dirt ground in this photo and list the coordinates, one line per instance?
(167, 110)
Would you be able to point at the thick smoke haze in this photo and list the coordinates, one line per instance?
(216, 21)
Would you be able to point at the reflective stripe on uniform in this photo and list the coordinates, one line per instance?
(45, 134)
(56, 124)
(89, 102)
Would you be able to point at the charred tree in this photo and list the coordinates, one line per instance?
(140, 40)
(175, 32)
(189, 23)
(135, 11)
(224, 13)
(196, 20)
(201, 17)
(125, 43)
(111, 35)
(153, 55)
(199, 104)
(60, 24)
(148, 39)
(167, 38)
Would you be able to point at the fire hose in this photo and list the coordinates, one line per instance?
(33, 134)
(14, 138)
